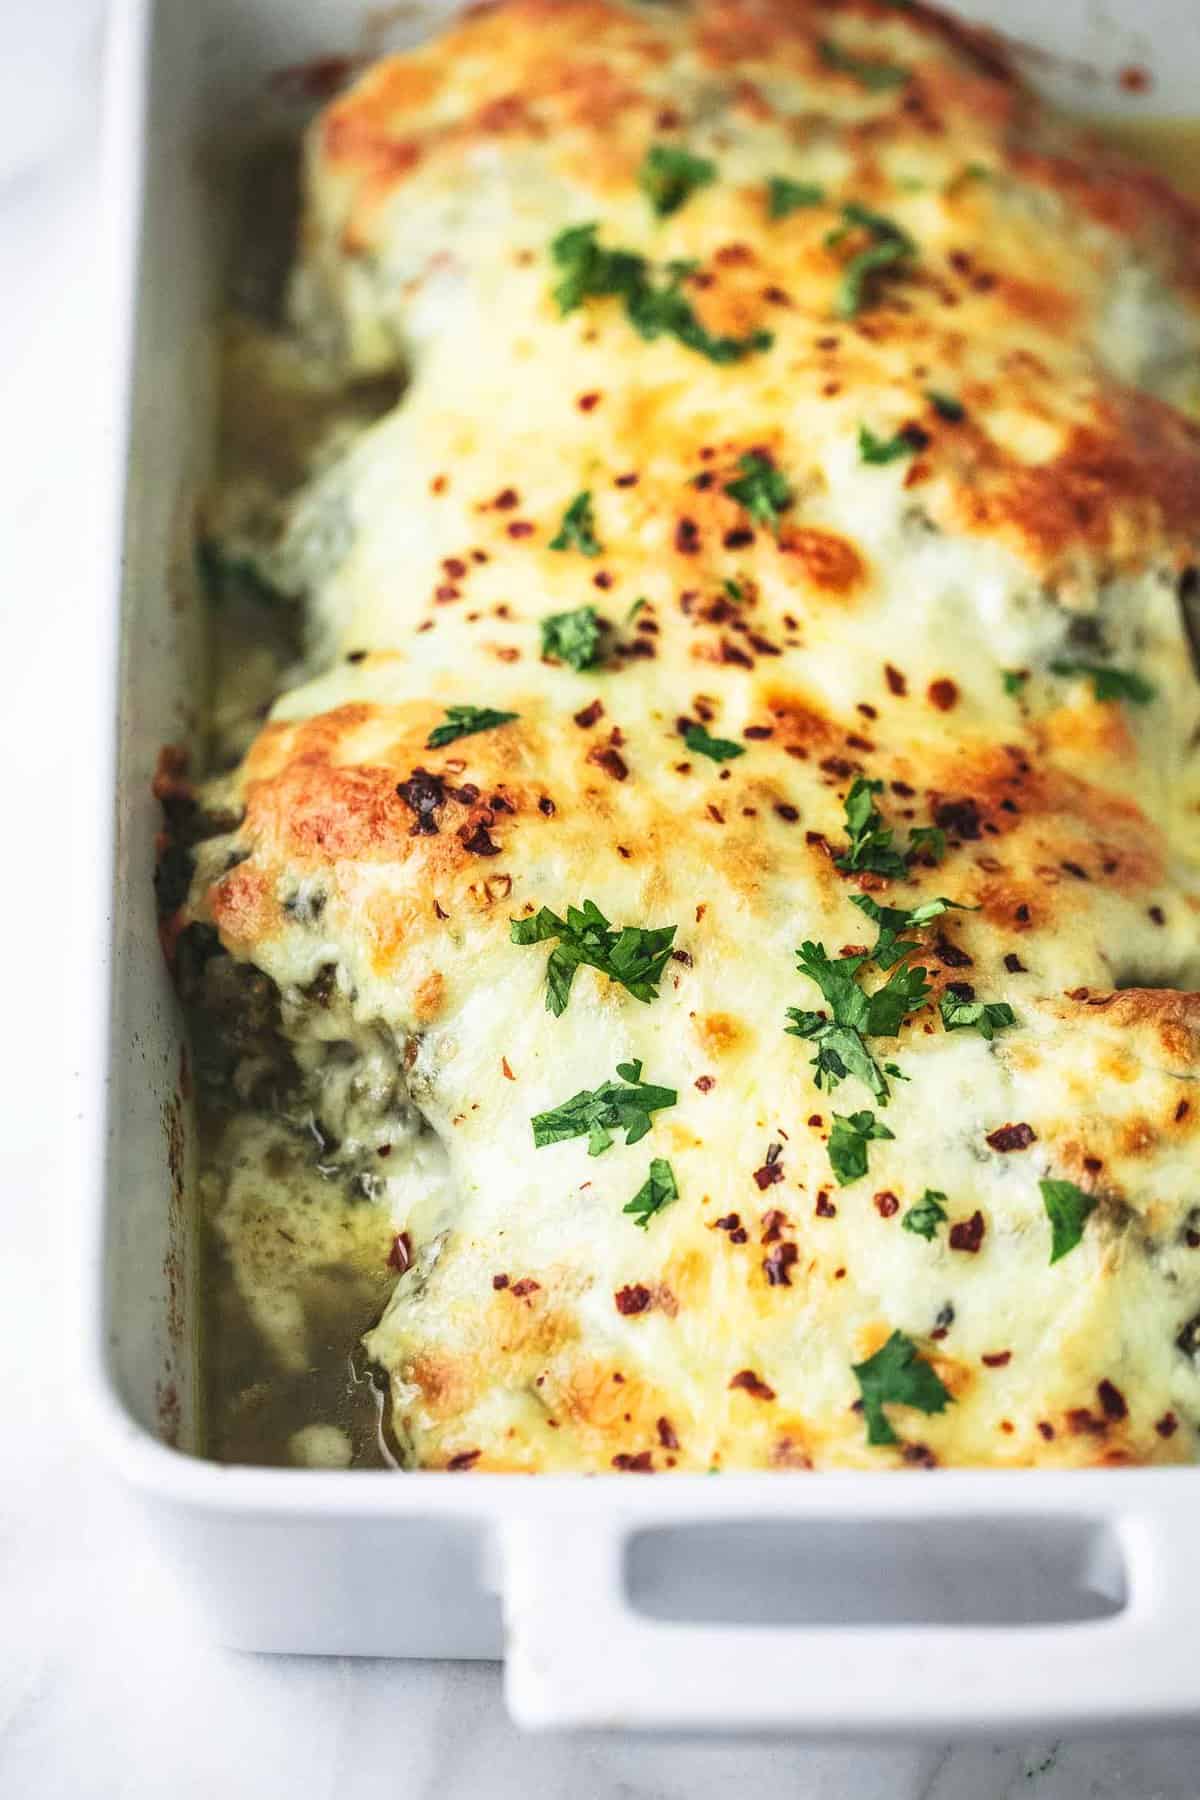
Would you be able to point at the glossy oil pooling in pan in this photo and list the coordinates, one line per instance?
(717, 907)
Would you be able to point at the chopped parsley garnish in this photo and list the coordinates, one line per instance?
(589, 271)
(634, 955)
(889, 246)
(636, 608)
(785, 196)
(876, 77)
(927, 843)
(669, 176)
(854, 1014)
(719, 750)
(1014, 682)
(622, 1105)
(578, 528)
(986, 1017)
(897, 1375)
(734, 590)
(761, 489)
(838, 1035)
(870, 849)
(893, 921)
(1108, 683)
(924, 1218)
(874, 449)
(946, 406)
(870, 842)
(574, 637)
(848, 1144)
(1068, 1209)
(655, 1192)
(465, 721)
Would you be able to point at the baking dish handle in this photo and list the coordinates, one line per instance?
(580, 1656)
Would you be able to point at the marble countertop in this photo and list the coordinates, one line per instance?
(108, 1690)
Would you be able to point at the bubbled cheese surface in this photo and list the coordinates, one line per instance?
(1037, 358)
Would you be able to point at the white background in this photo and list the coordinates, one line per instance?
(107, 1688)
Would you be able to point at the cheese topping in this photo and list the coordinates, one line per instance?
(737, 840)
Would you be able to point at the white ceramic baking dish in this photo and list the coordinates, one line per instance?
(898, 1604)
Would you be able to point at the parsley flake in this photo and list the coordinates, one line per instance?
(1014, 682)
(465, 721)
(1068, 1209)
(927, 844)
(719, 750)
(622, 1105)
(573, 637)
(870, 843)
(655, 1192)
(589, 271)
(854, 1014)
(634, 955)
(669, 177)
(897, 1375)
(889, 246)
(876, 77)
(761, 489)
(924, 1218)
(1109, 683)
(874, 449)
(578, 528)
(785, 197)
(848, 1144)
(892, 946)
(946, 406)
(985, 1017)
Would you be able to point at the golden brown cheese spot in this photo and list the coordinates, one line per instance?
(243, 906)
(831, 563)
(429, 997)
(720, 1034)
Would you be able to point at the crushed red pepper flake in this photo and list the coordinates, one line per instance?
(633, 1299)
(886, 1204)
(520, 1290)
(773, 1222)
(996, 1359)
(666, 1434)
(968, 1234)
(752, 1384)
(640, 1464)
(400, 1254)
(1012, 1137)
(777, 1262)
(610, 760)
(1112, 1400)
(465, 1459)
